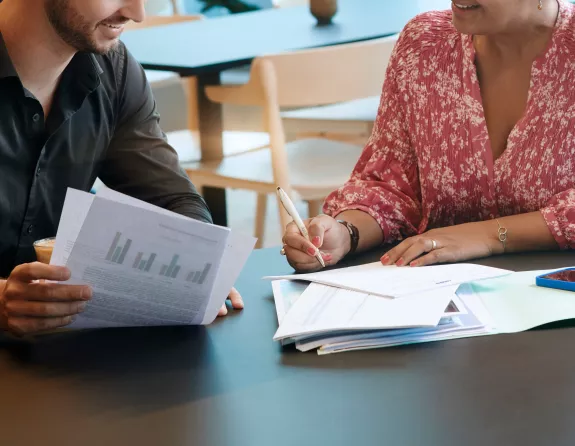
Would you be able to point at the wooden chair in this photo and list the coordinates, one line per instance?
(350, 121)
(310, 168)
(186, 141)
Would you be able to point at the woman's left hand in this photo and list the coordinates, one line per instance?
(237, 303)
(447, 245)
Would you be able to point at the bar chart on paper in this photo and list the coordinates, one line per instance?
(172, 270)
(117, 253)
(199, 276)
(144, 264)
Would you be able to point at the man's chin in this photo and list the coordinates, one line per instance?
(104, 48)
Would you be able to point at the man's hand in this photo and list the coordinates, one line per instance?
(29, 307)
(236, 300)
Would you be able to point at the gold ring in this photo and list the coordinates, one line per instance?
(283, 252)
(433, 245)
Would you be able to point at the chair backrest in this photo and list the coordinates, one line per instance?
(329, 75)
(288, 3)
(159, 20)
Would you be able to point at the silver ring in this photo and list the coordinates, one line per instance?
(433, 244)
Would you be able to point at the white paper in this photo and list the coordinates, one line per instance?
(238, 249)
(76, 207)
(238, 246)
(145, 268)
(322, 309)
(392, 281)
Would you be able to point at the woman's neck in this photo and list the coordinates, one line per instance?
(527, 40)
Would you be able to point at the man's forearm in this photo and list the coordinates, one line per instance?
(525, 232)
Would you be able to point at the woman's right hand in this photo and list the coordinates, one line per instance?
(327, 235)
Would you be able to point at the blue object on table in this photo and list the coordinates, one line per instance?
(563, 279)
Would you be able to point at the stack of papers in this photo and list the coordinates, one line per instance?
(376, 306)
(147, 266)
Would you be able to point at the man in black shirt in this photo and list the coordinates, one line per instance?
(74, 105)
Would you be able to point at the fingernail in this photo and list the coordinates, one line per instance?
(327, 257)
(316, 241)
(385, 259)
(311, 251)
(414, 263)
(400, 262)
(81, 307)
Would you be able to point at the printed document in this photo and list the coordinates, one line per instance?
(393, 282)
(147, 266)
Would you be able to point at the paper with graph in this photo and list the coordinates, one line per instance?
(147, 266)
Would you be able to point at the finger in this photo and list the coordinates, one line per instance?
(317, 229)
(394, 254)
(304, 263)
(223, 310)
(48, 292)
(299, 242)
(28, 272)
(421, 246)
(439, 255)
(295, 256)
(23, 308)
(27, 325)
(236, 299)
(292, 228)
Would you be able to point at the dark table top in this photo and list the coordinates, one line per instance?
(213, 45)
(229, 384)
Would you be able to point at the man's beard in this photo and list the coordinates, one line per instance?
(73, 28)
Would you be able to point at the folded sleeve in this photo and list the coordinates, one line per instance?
(559, 215)
(385, 182)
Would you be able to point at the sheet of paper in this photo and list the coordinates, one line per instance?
(146, 268)
(286, 292)
(392, 281)
(76, 207)
(466, 325)
(516, 304)
(323, 309)
(238, 249)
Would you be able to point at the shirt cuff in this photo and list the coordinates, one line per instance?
(555, 228)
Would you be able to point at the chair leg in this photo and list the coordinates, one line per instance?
(314, 208)
(261, 210)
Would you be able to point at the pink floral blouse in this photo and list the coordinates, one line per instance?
(429, 162)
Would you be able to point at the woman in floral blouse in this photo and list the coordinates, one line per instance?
(473, 149)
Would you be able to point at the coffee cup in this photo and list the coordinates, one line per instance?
(44, 249)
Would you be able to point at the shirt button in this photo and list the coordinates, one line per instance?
(38, 171)
(36, 117)
(30, 229)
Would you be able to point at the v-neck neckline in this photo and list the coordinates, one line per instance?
(536, 68)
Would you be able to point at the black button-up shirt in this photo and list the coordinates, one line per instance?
(103, 123)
